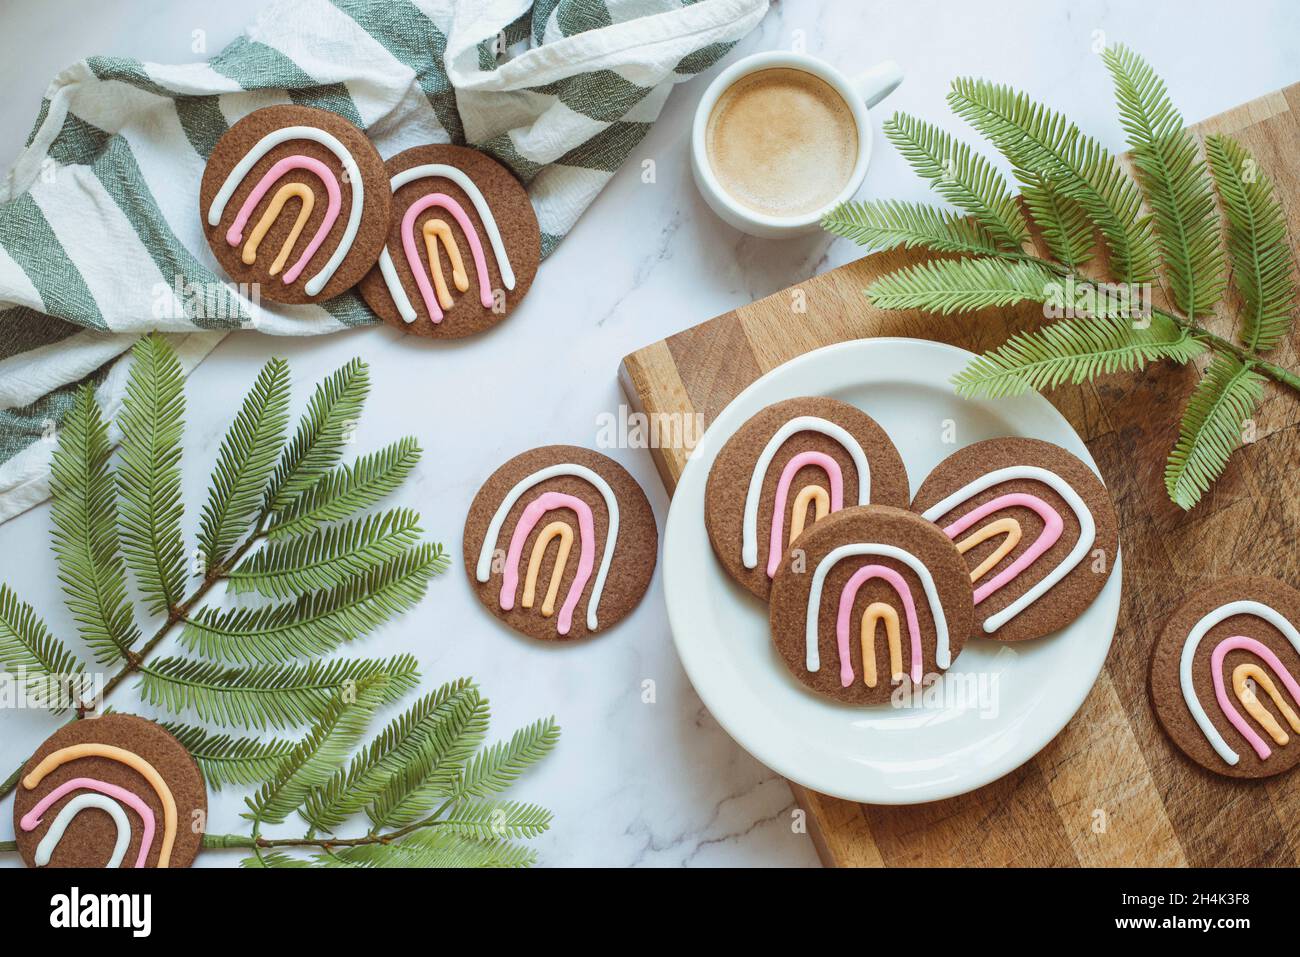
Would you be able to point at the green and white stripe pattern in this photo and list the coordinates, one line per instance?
(100, 235)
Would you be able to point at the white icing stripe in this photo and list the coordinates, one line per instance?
(802, 423)
(484, 569)
(1199, 631)
(1087, 529)
(45, 849)
(431, 170)
(269, 142)
(942, 653)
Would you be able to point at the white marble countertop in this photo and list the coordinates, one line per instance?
(631, 783)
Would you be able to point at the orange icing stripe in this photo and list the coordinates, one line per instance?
(435, 230)
(131, 760)
(1250, 701)
(809, 493)
(552, 530)
(875, 612)
(1009, 526)
(282, 196)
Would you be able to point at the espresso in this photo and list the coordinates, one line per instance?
(782, 142)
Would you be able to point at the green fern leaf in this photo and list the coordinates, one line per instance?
(274, 859)
(1175, 183)
(1074, 350)
(43, 668)
(319, 621)
(431, 847)
(149, 475)
(264, 696)
(442, 720)
(314, 758)
(85, 532)
(962, 285)
(322, 432)
(497, 819)
(327, 557)
(961, 176)
(228, 760)
(245, 462)
(1063, 223)
(496, 768)
(1211, 428)
(348, 489)
(1257, 243)
(1041, 141)
(889, 224)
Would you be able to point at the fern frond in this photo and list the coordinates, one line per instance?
(327, 557)
(442, 716)
(1175, 183)
(274, 859)
(319, 621)
(1211, 428)
(149, 473)
(962, 285)
(262, 696)
(489, 819)
(247, 456)
(322, 432)
(496, 768)
(888, 224)
(347, 489)
(1257, 243)
(314, 758)
(431, 847)
(84, 512)
(39, 662)
(1063, 223)
(228, 760)
(1042, 141)
(961, 176)
(1073, 350)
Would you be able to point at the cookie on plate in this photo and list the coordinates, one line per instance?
(114, 791)
(869, 598)
(571, 510)
(294, 199)
(789, 466)
(1036, 527)
(462, 248)
(1224, 677)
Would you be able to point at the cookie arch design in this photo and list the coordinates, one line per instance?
(836, 500)
(235, 234)
(284, 135)
(842, 623)
(483, 570)
(45, 849)
(1193, 641)
(802, 423)
(32, 819)
(1087, 532)
(547, 502)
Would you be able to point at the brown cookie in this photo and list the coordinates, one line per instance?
(1257, 676)
(531, 529)
(1003, 544)
(292, 259)
(167, 782)
(503, 208)
(730, 480)
(889, 585)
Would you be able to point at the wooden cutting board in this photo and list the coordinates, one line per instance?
(1110, 789)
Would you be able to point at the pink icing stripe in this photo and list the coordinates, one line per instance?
(586, 560)
(850, 594)
(235, 235)
(442, 201)
(832, 468)
(1051, 532)
(1220, 692)
(32, 819)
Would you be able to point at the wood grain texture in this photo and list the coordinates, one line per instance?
(1110, 789)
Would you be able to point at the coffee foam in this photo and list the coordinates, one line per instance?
(782, 142)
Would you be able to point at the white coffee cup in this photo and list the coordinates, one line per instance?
(859, 95)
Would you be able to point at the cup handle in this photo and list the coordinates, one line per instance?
(878, 82)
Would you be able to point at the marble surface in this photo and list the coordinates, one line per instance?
(632, 783)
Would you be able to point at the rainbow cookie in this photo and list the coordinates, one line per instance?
(294, 199)
(462, 247)
(116, 791)
(576, 513)
(1036, 527)
(1225, 677)
(866, 598)
(789, 466)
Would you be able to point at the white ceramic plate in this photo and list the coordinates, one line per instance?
(1017, 696)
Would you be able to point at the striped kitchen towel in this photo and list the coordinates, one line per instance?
(100, 239)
